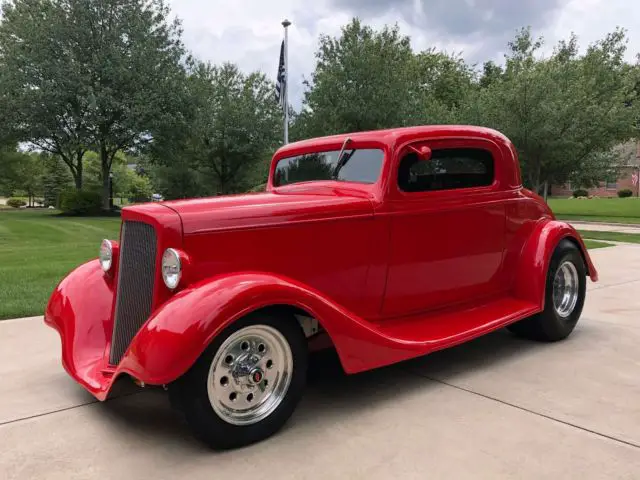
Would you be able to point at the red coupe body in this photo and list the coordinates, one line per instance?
(390, 268)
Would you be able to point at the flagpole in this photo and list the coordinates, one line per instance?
(286, 24)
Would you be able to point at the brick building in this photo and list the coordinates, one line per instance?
(630, 153)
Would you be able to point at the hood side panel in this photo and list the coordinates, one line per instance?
(265, 210)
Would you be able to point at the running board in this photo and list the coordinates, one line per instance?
(402, 338)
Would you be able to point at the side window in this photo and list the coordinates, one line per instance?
(448, 169)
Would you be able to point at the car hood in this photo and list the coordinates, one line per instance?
(265, 209)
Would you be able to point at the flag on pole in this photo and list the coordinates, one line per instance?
(281, 82)
(634, 179)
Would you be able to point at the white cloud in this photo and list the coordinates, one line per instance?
(248, 32)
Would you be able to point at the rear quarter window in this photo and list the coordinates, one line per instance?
(448, 169)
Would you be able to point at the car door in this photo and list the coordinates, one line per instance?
(447, 226)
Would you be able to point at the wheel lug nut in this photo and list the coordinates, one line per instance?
(228, 359)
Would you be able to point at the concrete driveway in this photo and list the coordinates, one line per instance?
(498, 407)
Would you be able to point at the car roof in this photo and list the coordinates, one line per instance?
(393, 136)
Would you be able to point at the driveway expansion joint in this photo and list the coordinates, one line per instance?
(65, 409)
(524, 409)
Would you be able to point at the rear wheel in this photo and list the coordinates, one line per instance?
(564, 297)
(245, 386)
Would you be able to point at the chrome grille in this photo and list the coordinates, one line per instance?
(135, 285)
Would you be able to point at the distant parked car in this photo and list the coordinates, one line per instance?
(156, 197)
(385, 245)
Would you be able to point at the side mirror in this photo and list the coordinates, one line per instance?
(424, 152)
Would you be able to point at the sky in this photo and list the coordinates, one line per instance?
(249, 32)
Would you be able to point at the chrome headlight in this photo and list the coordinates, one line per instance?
(171, 268)
(106, 255)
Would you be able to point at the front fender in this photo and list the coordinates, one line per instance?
(80, 310)
(536, 256)
(174, 337)
(176, 334)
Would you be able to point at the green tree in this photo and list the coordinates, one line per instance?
(490, 74)
(367, 79)
(21, 174)
(30, 172)
(444, 80)
(234, 123)
(56, 179)
(563, 112)
(361, 82)
(9, 160)
(81, 74)
(237, 123)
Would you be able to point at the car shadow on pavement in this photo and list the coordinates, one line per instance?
(331, 396)
(500, 347)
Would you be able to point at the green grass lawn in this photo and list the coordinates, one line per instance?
(611, 236)
(37, 249)
(593, 244)
(614, 210)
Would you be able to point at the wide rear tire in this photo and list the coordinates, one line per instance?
(247, 383)
(564, 297)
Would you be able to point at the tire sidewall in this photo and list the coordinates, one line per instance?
(553, 325)
(193, 397)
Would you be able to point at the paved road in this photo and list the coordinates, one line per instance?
(497, 407)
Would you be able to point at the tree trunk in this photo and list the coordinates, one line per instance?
(545, 190)
(106, 170)
(78, 174)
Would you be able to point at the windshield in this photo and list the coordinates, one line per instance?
(361, 166)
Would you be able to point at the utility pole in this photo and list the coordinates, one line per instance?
(285, 102)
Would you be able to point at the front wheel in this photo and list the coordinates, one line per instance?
(565, 292)
(246, 385)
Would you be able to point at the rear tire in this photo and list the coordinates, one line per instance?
(565, 292)
(247, 383)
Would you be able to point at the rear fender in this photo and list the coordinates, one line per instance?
(178, 332)
(536, 256)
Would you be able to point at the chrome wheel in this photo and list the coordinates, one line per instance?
(250, 375)
(566, 288)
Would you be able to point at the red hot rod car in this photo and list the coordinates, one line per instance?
(385, 245)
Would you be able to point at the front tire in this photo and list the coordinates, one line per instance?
(565, 293)
(247, 383)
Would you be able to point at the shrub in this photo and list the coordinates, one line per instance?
(580, 193)
(16, 202)
(80, 202)
(625, 192)
(141, 190)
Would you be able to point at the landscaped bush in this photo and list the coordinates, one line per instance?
(141, 190)
(625, 192)
(16, 202)
(80, 202)
(580, 193)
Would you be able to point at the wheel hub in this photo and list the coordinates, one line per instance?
(566, 286)
(250, 375)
